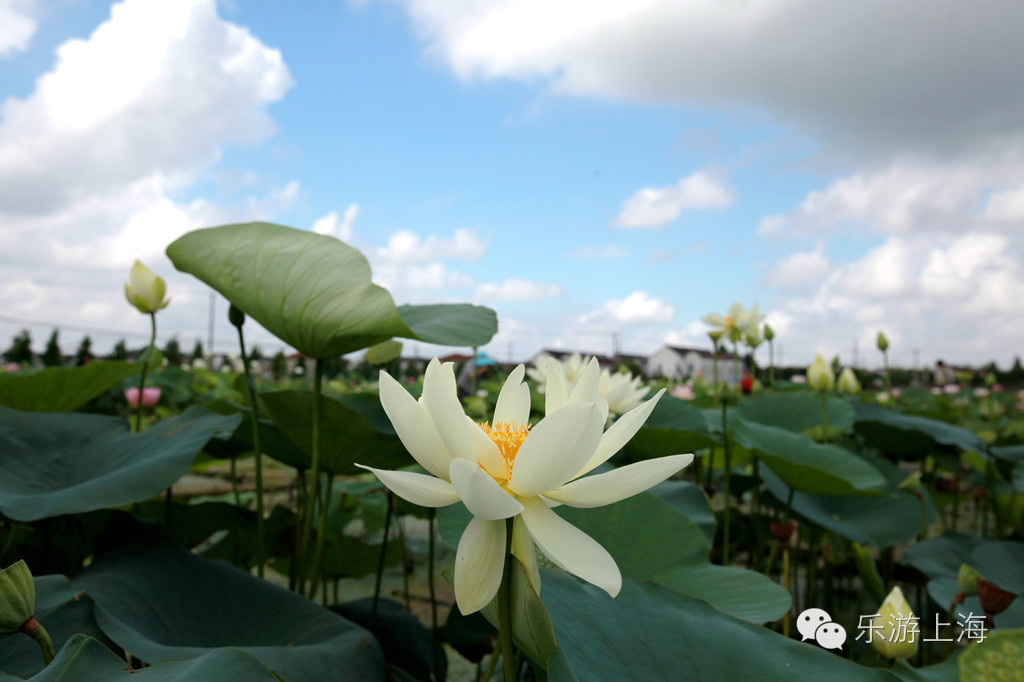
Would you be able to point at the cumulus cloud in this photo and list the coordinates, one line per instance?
(342, 227)
(637, 308)
(156, 90)
(94, 161)
(902, 197)
(657, 206)
(872, 94)
(515, 289)
(17, 25)
(800, 269)
(612, 250)
(405, 247)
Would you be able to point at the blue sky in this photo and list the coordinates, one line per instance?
(585, 168)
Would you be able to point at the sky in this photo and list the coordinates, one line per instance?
(599, 172)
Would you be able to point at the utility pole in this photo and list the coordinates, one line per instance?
(510, 352)
(855, 352)
(615, 345)
(917, 357)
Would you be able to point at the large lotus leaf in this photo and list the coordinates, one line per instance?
(314, 292)
(451, 324)
(163, 603)
(947, 671)
(797, 411)
(62, 612)
(348, 437)
(881, 521)
(1002, 562)
(942, 555)
(650, 632)
(407, 643)
(71, 463)
(674, 427)
(63, 389)
(84, 658)
(273, 442)
(690, 499)
(808, 466)
(909, 435)
(651, 540)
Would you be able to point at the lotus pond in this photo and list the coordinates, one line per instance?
(541, 525)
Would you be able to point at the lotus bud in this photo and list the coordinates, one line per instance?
(769, 333)
(848, 382)
(235, 316)
(18, 606)
(891, 640)
(912, 483)
(819, 375)
(17, 597)
(967, 583)
(882, 341)
(145, 290)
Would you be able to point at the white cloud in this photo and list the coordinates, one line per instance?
(637, 308)
(342, 228)
(422, 282)
(884, 271)
(901, 198)
(17, 25)
(657, 206)
(958, 88)
(800, 269)
(405, 247)
(156, 90)
(514, 289)
(1005, 205)
(607, 251)
(94, 161)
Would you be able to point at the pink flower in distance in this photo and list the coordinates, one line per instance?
(150, 396)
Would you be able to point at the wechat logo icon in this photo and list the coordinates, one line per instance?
(816, 624)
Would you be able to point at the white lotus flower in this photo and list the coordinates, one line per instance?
(735, 324)
(847, 382)
(621, 390)
(820, 375)
(507, 469)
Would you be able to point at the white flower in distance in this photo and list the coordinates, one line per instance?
(735, 324)
(621, 390)
(507, 469)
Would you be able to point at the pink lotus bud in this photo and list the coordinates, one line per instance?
(150, 396)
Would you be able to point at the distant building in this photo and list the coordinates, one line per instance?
(678, 363)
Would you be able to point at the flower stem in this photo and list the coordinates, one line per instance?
(383, 556)
(505, 609)
(824, 417)
(438, 652)
(260, 549)
(728, 469)
(321, 534)
(34, 629)
(145, 370)
(314, 474)
(771, 364)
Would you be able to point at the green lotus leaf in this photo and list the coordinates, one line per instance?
(797, 411)
(910, 435)
(163, 603)
(808, 466)
(84, 658)
(674, 427)
(314, 292)
(348, 436)
(59, 463)
(63, 389)
(651, 632)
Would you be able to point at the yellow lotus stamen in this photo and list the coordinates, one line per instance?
(508, 436)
